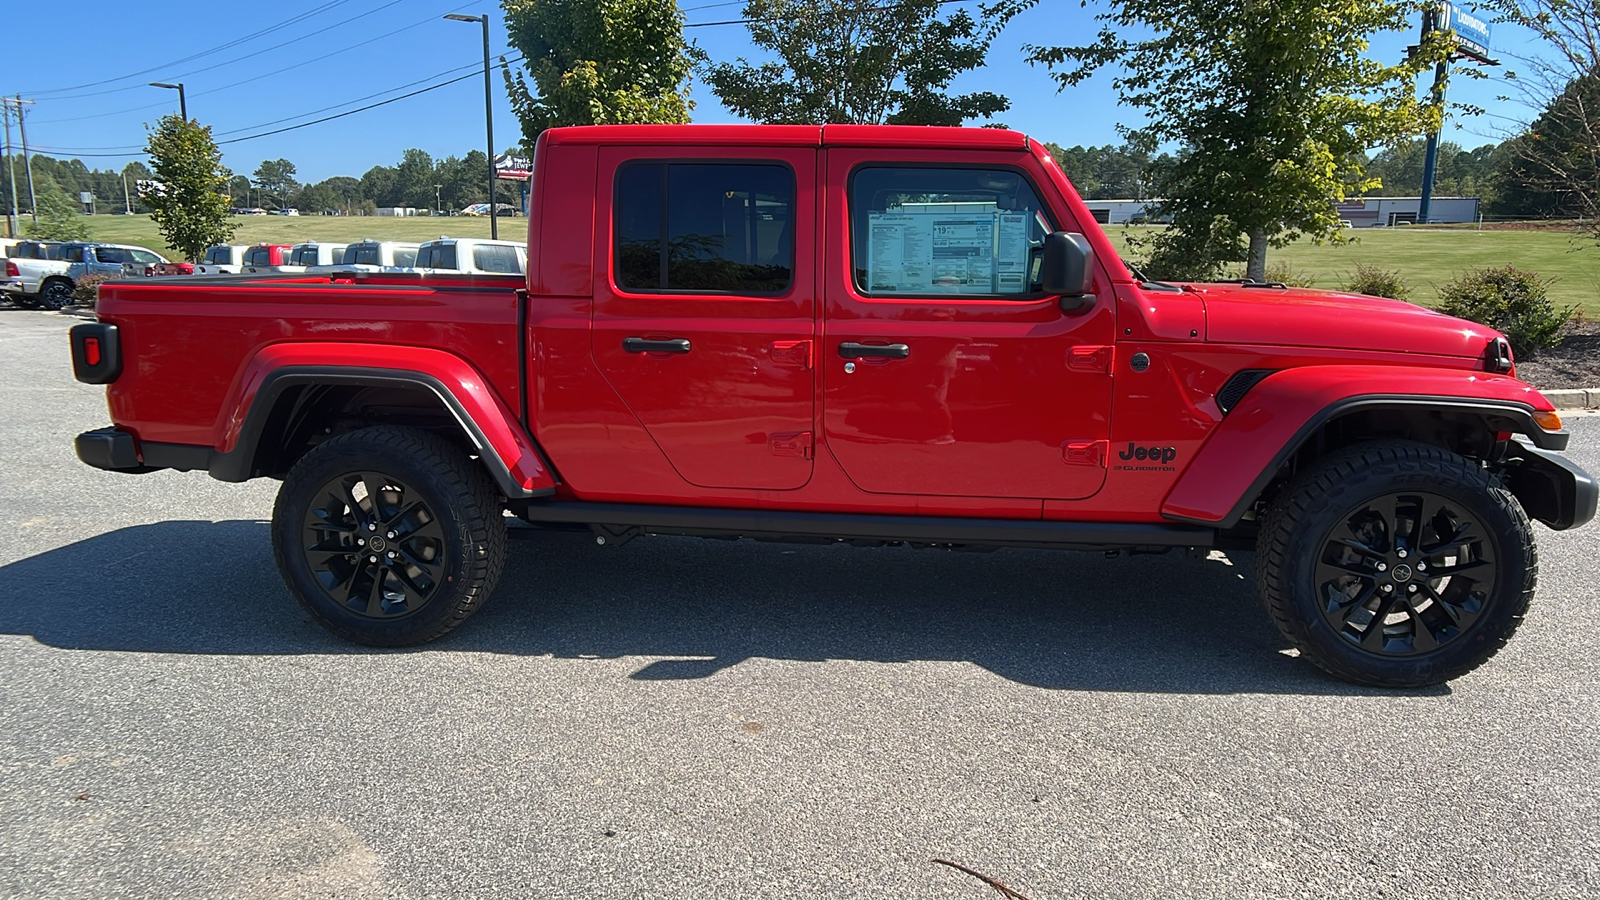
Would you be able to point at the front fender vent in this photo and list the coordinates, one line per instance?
(1239, 385)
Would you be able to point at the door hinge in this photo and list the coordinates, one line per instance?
(791, 353)
(792, 443)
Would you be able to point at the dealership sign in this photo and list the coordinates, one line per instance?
(1472, 33)
(516, 167)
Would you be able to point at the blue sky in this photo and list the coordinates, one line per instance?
(88, 74)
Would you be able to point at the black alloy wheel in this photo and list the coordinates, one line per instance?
(374, 546)
(57, 294)
(1396, 564)
(389, 536)
(1405, 574)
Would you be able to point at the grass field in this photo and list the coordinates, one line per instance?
(1426, 258)
(1429, 258)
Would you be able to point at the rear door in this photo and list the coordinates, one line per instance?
(705, 307)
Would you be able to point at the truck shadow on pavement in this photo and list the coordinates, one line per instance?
(1074, 621)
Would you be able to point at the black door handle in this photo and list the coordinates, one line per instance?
(850, 350)
(641, 345)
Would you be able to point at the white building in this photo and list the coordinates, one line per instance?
(1121, 212)
(1403, 210)
(1364, 213)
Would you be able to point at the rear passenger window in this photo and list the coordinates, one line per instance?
(710, 228)
(406, 257)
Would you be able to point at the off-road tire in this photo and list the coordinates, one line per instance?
(55, 294)
(463, 509)
(1298, 533)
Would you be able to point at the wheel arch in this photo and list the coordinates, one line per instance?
(1286, 422)
(288, 404)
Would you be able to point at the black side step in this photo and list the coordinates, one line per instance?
(780, 524)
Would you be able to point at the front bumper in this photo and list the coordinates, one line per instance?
(1551, 488)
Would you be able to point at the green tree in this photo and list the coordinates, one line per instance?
(1552, 170)
(1272, 102)
(413, 179)
(597, 62)
(190, 206)
(241, 191)
(1556, 159)
(1105, 173)
(848, 61)
(275, 178)
(58, 214)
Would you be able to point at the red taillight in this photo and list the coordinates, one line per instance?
(11, 269)
(91, 351)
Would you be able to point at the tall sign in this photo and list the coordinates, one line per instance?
(1471, 42)
(1472, 32)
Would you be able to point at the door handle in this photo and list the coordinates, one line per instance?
(641, 345)
(851, 350)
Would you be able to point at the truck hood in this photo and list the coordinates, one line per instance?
(1306, 318)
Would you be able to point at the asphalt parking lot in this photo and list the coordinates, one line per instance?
(680, 718)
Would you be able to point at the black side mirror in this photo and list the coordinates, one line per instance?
(1068, 269)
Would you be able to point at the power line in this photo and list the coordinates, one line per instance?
(162, 105)
(217, 49)
(251, 137)
(228, 62)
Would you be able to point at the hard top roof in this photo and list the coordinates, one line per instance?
(791, 136)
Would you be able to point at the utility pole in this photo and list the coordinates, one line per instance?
(27, 161)
(488, 112)
(11, 170)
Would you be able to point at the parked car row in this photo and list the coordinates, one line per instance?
(44, 273)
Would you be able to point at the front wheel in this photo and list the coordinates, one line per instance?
(388, 536)
(1396, 564)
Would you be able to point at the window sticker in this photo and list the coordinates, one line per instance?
(953, 248)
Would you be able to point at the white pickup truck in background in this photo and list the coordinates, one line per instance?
(222, 259)
(372, 256)
(27, 266)
(472, 256)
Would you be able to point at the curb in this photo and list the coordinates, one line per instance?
(1574, 398)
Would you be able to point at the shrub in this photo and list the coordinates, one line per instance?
(1376, 282)
(86, 291)
(1284, 272)
(1512, 301)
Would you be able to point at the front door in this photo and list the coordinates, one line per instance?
(945, 370)
(705, 315)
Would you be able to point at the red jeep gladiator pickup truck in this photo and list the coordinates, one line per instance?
(871, 334)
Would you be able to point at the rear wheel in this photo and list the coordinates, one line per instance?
(55, 293)
(1396, 564)
(388, 536)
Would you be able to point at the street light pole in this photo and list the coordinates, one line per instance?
(488, 113)
(183, 106)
